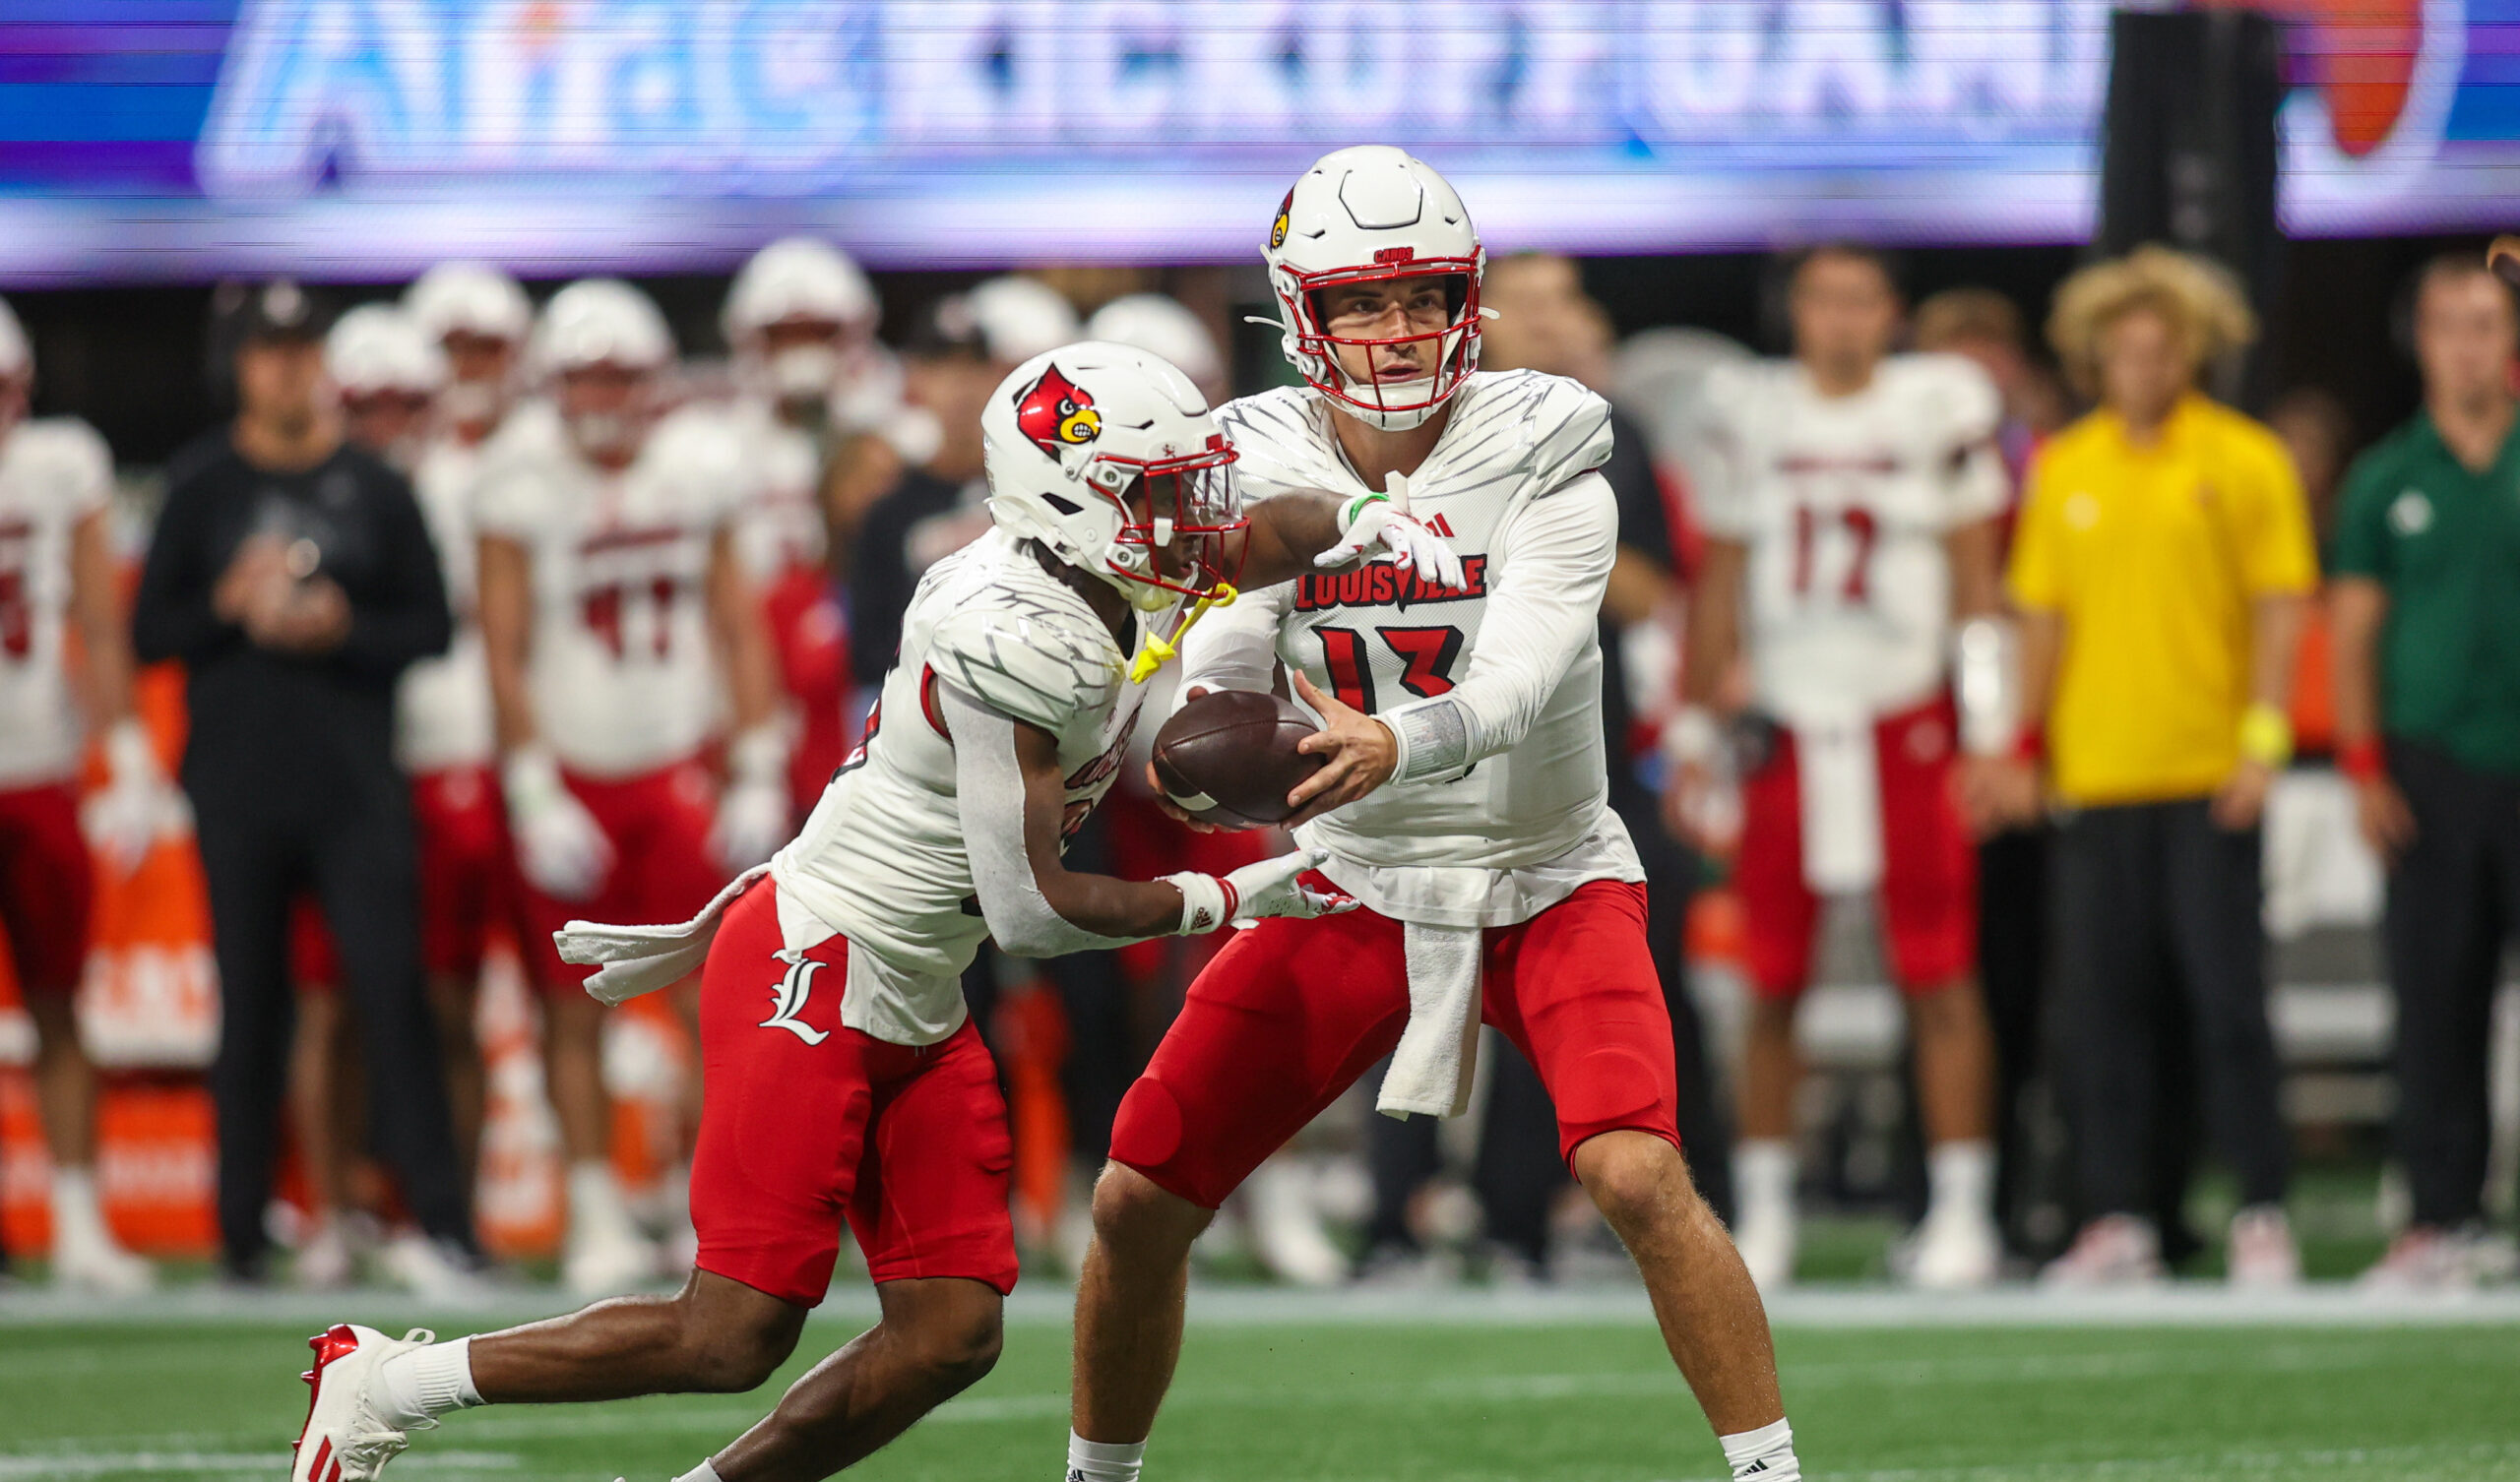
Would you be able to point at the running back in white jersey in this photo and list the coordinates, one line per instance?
(1843, 503)
(1376, 637)
(882, 860)
(442, 713)
(623, 669)
(53, 473)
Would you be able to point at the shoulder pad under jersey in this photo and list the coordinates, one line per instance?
(1279, 443)
(1540, 431)
(1949, 398)
(66, 460)
(1027, 655)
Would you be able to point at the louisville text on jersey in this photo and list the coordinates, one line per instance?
(1381, 584)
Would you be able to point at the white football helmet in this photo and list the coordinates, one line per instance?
(797, 279)
(1161, 325)
(1108, 456)
(603, 322)
(1368, 215)
(377, 348)
(1019, 318)
(473, 299)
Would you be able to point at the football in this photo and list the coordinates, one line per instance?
(1229, 758)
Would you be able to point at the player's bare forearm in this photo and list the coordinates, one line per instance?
(1715, 621)
(104, 638)
(2275, 645)
(1102, 905)
(743, 638)
(1287, 530)
(2357, 606)
(505, 601)
(1977, 575)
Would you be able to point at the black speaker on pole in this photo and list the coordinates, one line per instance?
(2189, 152)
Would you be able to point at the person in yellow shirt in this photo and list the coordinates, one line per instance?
(2162, 565)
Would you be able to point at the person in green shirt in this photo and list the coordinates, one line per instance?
(2425, 617)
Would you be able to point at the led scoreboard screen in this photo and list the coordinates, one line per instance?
(367, 138)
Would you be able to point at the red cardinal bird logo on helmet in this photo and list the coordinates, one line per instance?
(1054, 413)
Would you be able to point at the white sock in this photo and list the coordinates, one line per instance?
(1765, 1454)
(416, 1387)
(1103, 1460)
(1960, 1176)
(595, 1205)
(1763, 1174)
(706, 1471)
(78, 1219)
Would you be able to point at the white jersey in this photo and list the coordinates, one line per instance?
(622, 670)
(1523, 818)
(53, 473)
(442, 711)
(882, 860)
(1843, 503)
(779, 526)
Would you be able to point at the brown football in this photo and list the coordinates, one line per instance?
(1229, 758)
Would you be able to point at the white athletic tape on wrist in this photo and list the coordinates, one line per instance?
(1207, 902)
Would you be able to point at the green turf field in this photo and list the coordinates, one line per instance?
(1449, 1402)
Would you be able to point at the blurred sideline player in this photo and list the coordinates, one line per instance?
(844, 1075)
(478, 318)
(57, 574)
(618, 632)
(1850, 511)
(1496, 882)
(1282, 1219)
(800, 320)
(385, 372)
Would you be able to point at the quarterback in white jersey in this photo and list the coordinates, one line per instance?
(56, 574)
(1464, 805)
(1850, 499)
(843, 1077)
(622, 644)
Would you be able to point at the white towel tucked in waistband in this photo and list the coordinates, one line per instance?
(1431, 1070)
(637, 959)
(1838, 766)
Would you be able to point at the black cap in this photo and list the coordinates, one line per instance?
(950, 330)
(278, 308)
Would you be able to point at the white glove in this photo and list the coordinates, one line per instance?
(559, 845)
(1382, 521)
(136, 806)
(752, 817)
(1256, 890)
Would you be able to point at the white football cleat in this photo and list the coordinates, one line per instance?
(433, 1269)
(1286, 1227)
(107, 1270)
(606, 1263)
(1954, 1251)
(1766, 1239)
(2114, 1250)
(345, 1440)
(2261, 1255)
(325, 1262)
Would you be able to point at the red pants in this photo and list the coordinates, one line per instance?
(811, 638)
(1928, 862)
(1292, 1013)
(663, 868)
(467, 871)
(45, 885)
(803, 1121)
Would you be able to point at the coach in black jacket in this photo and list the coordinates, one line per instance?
(295, 580)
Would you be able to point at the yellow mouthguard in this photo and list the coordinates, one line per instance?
(1152, 651)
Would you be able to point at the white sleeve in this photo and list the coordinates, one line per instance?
(1547, 603)
(988, 796)
(1235, 647)
(87, 467)
(1968, 417)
